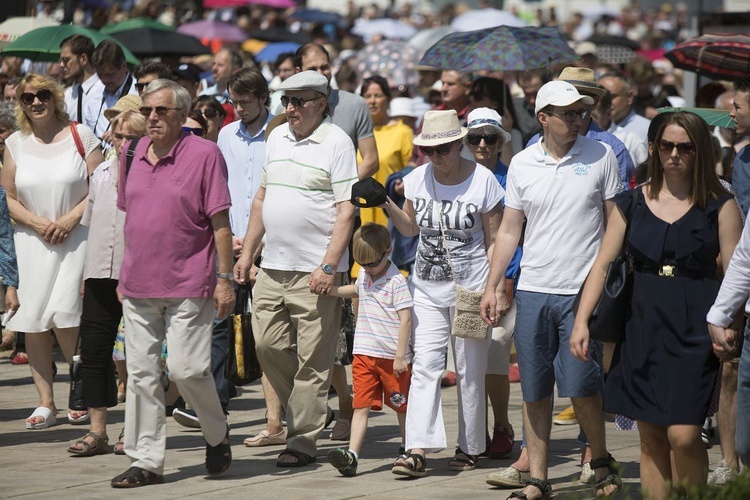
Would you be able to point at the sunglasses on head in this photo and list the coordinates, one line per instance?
(210, 113)
(374, 264)
(160, 110)
(297, 102)
(683, 148)
(490, 139)
(442, 150)
(194, 131)
(43, 95)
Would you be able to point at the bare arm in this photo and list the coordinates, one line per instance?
(224, 292)
(344, 291)
(253, 237)
(404, 333)
(369, 164)
(405, 220)
(320, 282)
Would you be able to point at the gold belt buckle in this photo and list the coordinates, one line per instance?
(667, 271)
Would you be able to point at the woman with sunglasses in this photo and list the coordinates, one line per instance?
(664, 369)
(213, 112)
(46, 169)
(101, 308)
(196, 124)
(492, 93)
(392, 137)
(454, 205)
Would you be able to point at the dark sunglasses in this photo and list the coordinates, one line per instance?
(160, 110)
(210, 113)
(570, 116)
(475, 139)
(683, 148)
(194, 131)
(43, 95)
(126, 137)
(442, 150)
(297, 102)
(140, 86)
(374, 264)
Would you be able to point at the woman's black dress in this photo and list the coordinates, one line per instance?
(664, 371)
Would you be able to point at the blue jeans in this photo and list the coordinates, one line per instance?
(742, 434)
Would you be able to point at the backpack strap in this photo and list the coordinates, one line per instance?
(129, 154)
(77, 140)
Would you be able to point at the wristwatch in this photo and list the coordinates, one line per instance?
(328, 269)
(225, 276)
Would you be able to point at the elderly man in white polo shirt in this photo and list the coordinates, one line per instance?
(303, 208)
(562, 185)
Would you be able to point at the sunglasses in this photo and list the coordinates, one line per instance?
(43, 95)
(210, 113)
(194, 131)
(125, 137)
(373, 264)
(160, 110)
(683, 148)
(475, 139)
(140, 86)
(297, 102)
(442, 150)
(570, 116)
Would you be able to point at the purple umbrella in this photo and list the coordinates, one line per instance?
(214, 30)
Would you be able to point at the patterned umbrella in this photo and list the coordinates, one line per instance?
(613, 49)
(503, 48)
(723, 56)
(714, 117)
(392, 59)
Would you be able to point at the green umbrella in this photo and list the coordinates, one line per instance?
(43, 44)
(714, 117)
(135, 23)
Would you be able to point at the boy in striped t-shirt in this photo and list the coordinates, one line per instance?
(382, 355)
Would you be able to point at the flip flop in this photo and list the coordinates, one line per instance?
(80, 419)
(49, 418)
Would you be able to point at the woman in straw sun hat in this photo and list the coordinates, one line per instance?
(454, 206)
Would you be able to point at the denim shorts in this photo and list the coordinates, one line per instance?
(544, 323)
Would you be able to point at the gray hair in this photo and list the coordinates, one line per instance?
(8, 116)
(181, 97)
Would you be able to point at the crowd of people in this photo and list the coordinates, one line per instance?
(419, 235)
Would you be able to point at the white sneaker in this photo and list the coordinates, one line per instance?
(588, 476)
(722, 474)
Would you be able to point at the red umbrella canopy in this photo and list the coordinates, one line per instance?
(716, 55)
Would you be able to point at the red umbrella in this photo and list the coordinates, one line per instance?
(723, 56)
(277, 4)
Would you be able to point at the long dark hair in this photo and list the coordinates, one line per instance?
(498, 91)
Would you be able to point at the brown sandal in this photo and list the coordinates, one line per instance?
(135, 477)
(99, 446)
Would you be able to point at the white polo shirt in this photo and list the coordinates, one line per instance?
(564, 207)
(304, 180)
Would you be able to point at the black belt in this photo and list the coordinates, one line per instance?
(669, 271)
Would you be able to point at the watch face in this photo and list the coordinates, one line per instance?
(327, 268)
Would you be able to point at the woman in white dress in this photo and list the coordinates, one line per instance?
(45, 174)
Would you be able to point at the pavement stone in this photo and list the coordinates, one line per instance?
(35, 464)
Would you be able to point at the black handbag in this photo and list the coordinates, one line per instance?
(76, 401)
(607, 320)
(242, 366)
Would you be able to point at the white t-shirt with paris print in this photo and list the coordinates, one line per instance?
(461, 207)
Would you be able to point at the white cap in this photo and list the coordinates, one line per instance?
(402, 106)
(486, 117)
(559, 93)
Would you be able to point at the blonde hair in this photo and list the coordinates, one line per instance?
(370, 242)
(39, 82)
(135, 121)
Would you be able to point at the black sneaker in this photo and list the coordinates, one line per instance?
(329, 416)
(186, 417)
(344, 461)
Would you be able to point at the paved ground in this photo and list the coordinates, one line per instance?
(36, 464)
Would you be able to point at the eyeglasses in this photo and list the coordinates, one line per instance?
(374, 264)
(475, 139)
(442, 150)
(43, 95)
(140, 86)
(194, 131)
(210, 113)
(160, 110)
(570, 116)
(297, 102)
(683, 148)
(244, 104)
(65, 60)
(125, 137)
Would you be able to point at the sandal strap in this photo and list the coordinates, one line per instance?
(602, 462)
(612, 479)
(542, 485)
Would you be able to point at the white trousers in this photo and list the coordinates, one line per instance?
(187, 325)
(424, 417)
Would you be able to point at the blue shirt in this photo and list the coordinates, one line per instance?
(624, 161)
(514, 268)
(741, 178)
(245, 156)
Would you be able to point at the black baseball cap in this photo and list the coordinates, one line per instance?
(368, 193)
(188, 71)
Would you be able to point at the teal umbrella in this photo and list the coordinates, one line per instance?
(43, 44)
(714, 117)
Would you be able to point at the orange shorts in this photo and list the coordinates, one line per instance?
(373, 378)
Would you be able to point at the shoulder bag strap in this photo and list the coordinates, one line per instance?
(129, 154)
(77, 140)
(440, 222)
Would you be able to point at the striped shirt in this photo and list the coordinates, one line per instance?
(377, 328)
(304, 180)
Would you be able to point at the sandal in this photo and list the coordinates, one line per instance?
(135, 477)
(219, 457)
(414, 465)
(46, 413)
(613, 478)
(99, 446)
(302, 459)
(463, 461)
(543, 486)
(119, 448)
(81, 418)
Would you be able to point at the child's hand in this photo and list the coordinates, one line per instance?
(400, 365)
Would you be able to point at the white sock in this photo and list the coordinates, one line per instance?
(354, 453)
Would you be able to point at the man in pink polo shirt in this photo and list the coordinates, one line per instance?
(177, 202)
